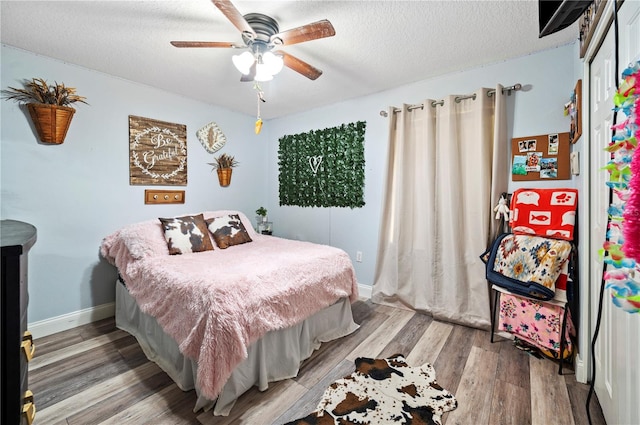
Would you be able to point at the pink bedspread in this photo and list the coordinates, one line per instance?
(216, 303)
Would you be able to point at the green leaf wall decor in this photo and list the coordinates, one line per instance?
(323, 168)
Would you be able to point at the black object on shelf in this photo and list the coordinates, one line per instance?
(16, 239)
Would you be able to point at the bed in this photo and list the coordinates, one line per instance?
(222, 320)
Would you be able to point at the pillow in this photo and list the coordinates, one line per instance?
(544, 212)
(186, 234)
(248, 224)
(228, 230)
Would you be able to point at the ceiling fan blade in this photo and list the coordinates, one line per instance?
(203, 44)
(233, 15)
(313, 31)
(300, 66)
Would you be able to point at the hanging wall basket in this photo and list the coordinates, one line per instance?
(224, 176)
(51, 121)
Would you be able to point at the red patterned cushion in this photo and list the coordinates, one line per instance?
(544, 212)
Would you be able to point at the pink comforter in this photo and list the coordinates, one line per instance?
(216, 303)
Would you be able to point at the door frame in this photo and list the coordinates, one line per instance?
(588, 305)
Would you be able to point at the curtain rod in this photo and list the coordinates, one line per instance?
(490, 93)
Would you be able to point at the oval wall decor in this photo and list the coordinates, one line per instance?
(158, 152)
(211, 137)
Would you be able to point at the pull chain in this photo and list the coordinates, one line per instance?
(258, 126)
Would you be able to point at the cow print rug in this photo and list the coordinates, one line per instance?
(383, 391)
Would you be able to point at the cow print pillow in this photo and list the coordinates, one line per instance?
(228, 230)
(186, 234)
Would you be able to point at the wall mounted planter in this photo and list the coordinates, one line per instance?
(224, 176)
(47, 105)
(51, 121)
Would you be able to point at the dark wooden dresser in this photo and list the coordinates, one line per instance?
(17, 406)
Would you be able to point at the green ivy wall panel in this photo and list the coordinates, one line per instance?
(323, 168)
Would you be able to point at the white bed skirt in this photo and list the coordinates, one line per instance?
(274, 357)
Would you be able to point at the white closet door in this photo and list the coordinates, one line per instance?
(601, 101)
(618, 347)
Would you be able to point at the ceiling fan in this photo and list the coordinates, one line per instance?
(260, 35)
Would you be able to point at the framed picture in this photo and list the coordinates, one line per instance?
(157, 152)
(542, 157)
(575, 129)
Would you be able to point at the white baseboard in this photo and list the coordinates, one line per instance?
(364, 291)
(581, 370)
(71, 320)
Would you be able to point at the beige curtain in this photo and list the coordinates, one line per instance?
(446, 171)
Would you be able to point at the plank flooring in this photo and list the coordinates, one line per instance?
(97, 374)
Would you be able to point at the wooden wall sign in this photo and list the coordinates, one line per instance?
(544, 157)
(575, 113)
(157, 152)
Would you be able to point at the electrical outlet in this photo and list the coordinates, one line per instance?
(359, 256)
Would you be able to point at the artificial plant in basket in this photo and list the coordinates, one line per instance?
(49, 106)
(224, 165)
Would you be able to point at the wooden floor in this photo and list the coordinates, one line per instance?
(97, 374)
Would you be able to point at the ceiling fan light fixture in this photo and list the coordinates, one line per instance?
(262, 73)
(273, 62)
(243, 62)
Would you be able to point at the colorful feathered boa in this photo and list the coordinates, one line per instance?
(622, 246)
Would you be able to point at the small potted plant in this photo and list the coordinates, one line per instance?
(49, 106)
(264, 226)
(224, 166)
(261, 215)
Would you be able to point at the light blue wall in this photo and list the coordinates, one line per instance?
(78, 192)
(548, 79)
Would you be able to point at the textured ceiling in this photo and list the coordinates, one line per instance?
(378, 44)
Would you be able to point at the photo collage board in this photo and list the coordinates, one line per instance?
(544, 157)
